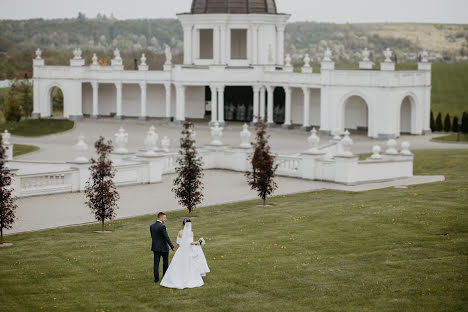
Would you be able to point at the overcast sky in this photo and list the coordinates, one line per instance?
(337, 11)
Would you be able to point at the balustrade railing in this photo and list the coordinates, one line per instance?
(288, 165)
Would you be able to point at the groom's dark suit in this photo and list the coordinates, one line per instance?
(159, 246)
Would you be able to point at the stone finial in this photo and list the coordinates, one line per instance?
(424, 57)
(81, 147)
(337, 134)
(6, 137)
(376, 152)
(405, 149)
(346, 143)
(143, 59)
(151, 142)
(95, 59)
(167, 52)
(165, 144)
(216, 134)
(245, 136)
(388, 55)
(314, 141)
(327, 57)
(365, 55)
(77, 54)
(391, 147)
(117, 54)
(288, 60)
(306, 60)
(121, 141)
(38, 54)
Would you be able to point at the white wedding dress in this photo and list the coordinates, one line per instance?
(188, 264)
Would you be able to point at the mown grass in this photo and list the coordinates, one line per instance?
(21, 149)
(453, 138)
(37, 127)
(382, 250)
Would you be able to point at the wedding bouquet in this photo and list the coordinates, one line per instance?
(202, 241)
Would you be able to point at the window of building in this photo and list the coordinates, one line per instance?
(206, 44)
(238, 44)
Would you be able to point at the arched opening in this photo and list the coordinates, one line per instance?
(356, 114)
(407, 115)
(238, 103)
(279, 105)
(56, 102)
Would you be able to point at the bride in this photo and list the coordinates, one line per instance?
(188, 264)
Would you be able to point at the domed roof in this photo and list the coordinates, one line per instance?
(234, 6)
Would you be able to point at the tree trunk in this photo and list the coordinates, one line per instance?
(264, 202)
(1, 235)
(102, 226)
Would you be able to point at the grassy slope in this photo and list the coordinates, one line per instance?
(38, 127)
(20, 149)
(453, 138)
(383, 250)
(449, 89)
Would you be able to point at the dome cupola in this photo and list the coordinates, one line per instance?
(233, 7)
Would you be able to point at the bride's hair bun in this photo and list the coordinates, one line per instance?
(186, 220)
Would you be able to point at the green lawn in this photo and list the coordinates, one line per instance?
(383, 250)
(38, 127)
(453, 138)
(20, 149)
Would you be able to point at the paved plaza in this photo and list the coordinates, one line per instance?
(43, 212)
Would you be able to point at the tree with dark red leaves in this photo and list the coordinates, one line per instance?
(101, 192)
(188, 185)
(7, 200)
(261, 178)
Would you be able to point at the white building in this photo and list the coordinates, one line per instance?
(234, 59)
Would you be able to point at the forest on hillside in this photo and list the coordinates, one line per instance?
(102, 34)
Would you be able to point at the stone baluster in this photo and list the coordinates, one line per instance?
(245, 136)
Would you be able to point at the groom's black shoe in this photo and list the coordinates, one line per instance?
(156, 281)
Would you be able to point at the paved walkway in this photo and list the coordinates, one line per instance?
(44, 212)
(59, 147)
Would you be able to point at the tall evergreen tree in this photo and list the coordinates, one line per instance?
(447, 123)
(188, 185)
(101, 193)
(7, 200)
(464, 128)
(432, 122)
(455, 124)
(261, 178)
(438, 123)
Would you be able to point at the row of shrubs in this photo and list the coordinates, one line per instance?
(449, 124)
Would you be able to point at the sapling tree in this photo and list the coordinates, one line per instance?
(188, 185)
(7, 200)
(447, 123)
(101, 193)
(261, 178)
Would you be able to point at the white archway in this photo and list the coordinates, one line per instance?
(57, 90)
(407, 114)
(355, 113)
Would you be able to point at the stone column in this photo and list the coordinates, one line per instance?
(256, 91)
(214, 105)
(216, 45)
(223, 45)
(95, 114)
(180, 106)
(254, 30)
(306, 123)
(187, 44)
(280, 45)
(168, 88)
(118, 88)
(262, 103)
(221, 106)
(36, 100)
(143, 99)
(287, 113)
(271, 99)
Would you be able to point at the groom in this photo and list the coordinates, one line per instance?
(159, 245)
